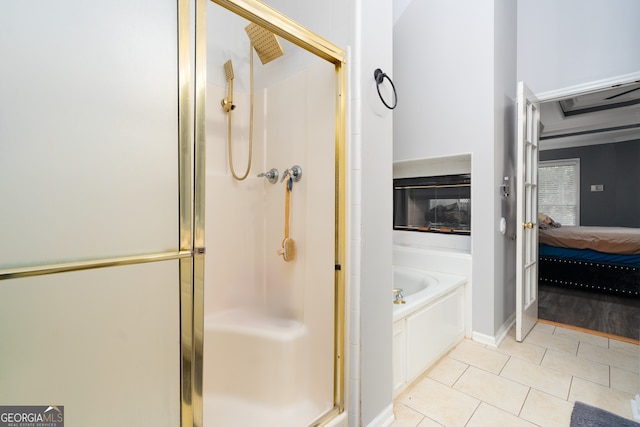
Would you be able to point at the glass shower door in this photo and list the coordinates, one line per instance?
(89, 177)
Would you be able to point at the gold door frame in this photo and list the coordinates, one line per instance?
(295, 33)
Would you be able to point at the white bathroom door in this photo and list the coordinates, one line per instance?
(528, 124)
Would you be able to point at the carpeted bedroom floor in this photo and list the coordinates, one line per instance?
(611, 314)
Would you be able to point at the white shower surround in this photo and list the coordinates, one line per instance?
(254, 301)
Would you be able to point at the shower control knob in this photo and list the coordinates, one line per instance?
(295, 172)
(272, 175)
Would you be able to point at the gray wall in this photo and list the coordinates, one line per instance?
(617, 167)
(455, 69)
(571, 42)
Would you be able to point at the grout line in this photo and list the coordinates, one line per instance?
(546, 349)
(475, 410)
(523, 402)
(591, 332)
(570, 386)
(505, 364)
(459, 376)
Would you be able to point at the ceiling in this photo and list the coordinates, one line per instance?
(605, 116)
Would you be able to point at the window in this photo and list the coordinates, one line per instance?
(559, 190)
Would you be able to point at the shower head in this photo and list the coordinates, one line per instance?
(227, 103)
(264, 42)
(228, 70)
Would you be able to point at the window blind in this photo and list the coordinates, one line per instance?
(559, 190)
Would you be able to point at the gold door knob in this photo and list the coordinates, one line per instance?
(528, 225)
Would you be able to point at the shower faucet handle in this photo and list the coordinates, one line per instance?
(271, 175)
(295, 172)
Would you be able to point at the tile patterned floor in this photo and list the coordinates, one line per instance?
(533, 383)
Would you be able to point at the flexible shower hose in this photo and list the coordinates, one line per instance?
(229, 145)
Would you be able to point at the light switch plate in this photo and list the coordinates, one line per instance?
(597, 187)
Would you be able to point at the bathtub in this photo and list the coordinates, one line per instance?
(269, 379)
(428, 325)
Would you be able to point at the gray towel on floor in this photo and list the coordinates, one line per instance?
(584, 415)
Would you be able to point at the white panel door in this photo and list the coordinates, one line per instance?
(528, 124)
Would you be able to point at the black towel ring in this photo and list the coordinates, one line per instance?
(379, 75)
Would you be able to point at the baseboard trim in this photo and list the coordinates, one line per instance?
(505, 328)
(501, 334)
(384, 419)
(483, 339)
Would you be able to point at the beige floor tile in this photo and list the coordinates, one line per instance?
(557, 363)
(493, 389)
(440, 403)
(405, 416)
(544, 327)
(447, 371)
(546, 410)
(625, 347)
(521, 350)
(428, 422)
(544, 379)
(490, 416)
(554, 342)
(586, 369)
(477, 355)
(600, 396)
(611, 356)
(582, 336)
(626, 381)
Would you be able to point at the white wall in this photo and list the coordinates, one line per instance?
(454, 68)
(570, 42)
(373, 51)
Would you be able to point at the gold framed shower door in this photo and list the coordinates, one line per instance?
(302, 37)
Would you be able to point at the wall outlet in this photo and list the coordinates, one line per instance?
(597, 187)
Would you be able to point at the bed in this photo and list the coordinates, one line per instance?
(599, 259)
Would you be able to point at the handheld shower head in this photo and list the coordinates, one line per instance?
(228, 70)
(227, 103)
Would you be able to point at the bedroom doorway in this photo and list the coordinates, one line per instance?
(585, 122)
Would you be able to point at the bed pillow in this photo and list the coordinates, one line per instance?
(545, 221)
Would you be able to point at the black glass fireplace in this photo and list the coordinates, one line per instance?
(436, 204)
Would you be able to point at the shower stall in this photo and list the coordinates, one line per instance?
(116, 308)
(274, 283)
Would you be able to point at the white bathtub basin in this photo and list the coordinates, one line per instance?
(412, 281)
(428, 325)
(420, 287)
